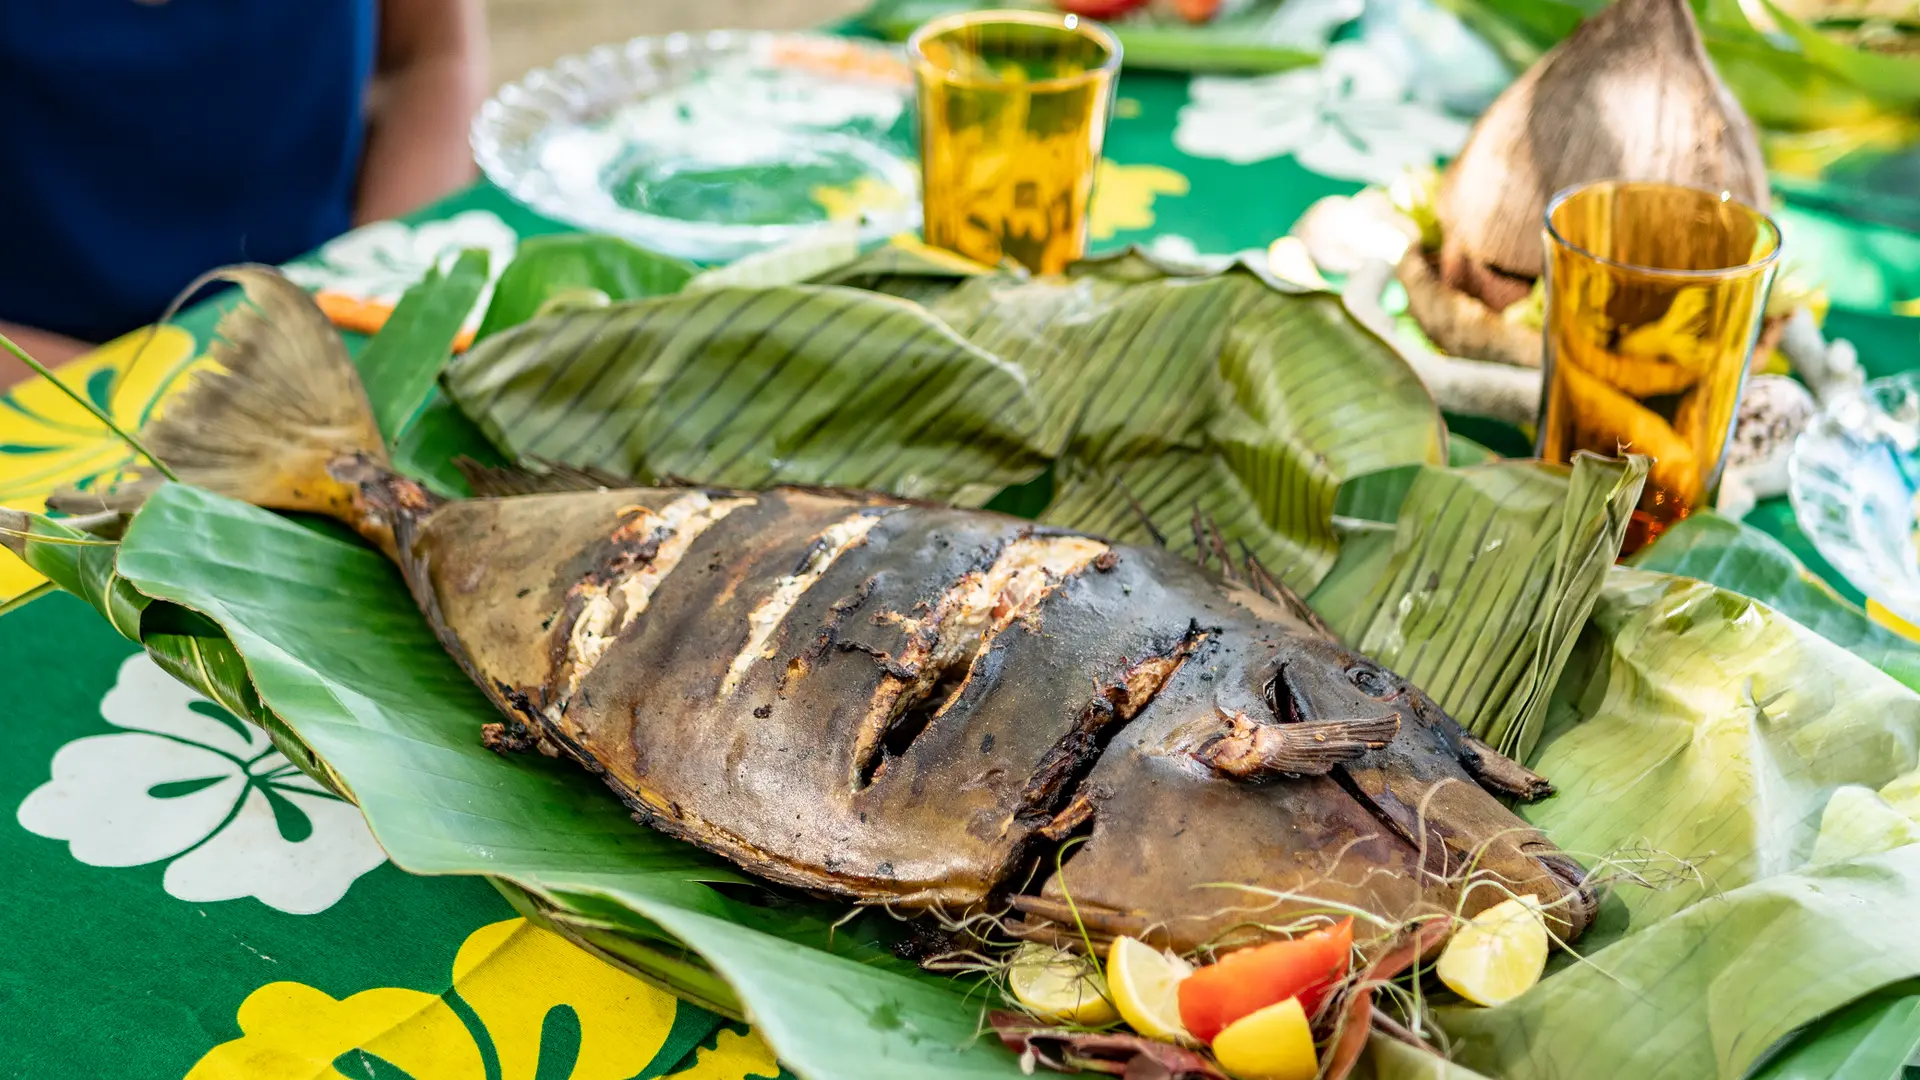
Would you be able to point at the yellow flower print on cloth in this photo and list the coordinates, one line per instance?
(1123, 196)
(537, 1007)
(47, 440)
(734, 1056)
(864, 197)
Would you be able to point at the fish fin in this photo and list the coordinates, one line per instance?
(544, 477)
(281, 405)
(1500, 774)
(1249, 750)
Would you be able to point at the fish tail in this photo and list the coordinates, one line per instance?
(279, 420)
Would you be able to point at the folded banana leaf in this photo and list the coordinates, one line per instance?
(1528, 539)
(1153, 393)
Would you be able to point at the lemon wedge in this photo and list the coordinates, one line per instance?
(1274, 1043)
(1059, 986)
(1497, 956)
(1146, 988)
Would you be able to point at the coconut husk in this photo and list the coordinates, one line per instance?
(1458, 322)
(1630, 95)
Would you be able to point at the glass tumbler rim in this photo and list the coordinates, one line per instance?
(1069, 24)
(1771, 227)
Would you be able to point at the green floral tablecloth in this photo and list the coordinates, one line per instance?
(184, 903)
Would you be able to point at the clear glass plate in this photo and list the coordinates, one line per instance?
(1854, 473)
(710, 146)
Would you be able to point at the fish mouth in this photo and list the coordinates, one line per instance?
(1287, 703)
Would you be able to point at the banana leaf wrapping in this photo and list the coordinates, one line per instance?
(1747, 784)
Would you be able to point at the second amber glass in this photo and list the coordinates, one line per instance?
(1655, 295)
(1013, 109)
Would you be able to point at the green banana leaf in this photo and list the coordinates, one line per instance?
(1870, 1039)
(1745, 560)
(399, 365)
(909, 270)
(816, 252)
(1480, 600)
(749, 387)
(438, 435)
(1388, 1058)
(1232, 395)
(1706, 992)
(1156, 395)
(78, 562)
(1707, 727)
(547, 268)
(189, 648)
(1250, 38)
(1892, 79)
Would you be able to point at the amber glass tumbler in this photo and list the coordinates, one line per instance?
(1013, 108)
(1655, 295)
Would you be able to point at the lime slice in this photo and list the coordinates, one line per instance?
(1274, 1043)
(1146, 988)
(1059, 986)
(1499, 955)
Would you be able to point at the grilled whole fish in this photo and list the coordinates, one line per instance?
(895, 702)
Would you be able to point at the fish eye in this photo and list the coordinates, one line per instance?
(1371, 681)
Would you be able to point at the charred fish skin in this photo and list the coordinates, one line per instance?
(938, 808)
(476, 565)
(836, 760)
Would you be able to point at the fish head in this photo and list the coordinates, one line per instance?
(1317, 679)
(1419, 781)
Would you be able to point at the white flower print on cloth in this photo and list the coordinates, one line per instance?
(379, 262)
(1353, 116)
(189, 782)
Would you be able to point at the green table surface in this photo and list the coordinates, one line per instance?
(168, 915)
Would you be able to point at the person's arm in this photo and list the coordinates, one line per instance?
(429, 80)
(45, 346)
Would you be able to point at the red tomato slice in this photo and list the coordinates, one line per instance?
(1249, 980)
(1099, 9)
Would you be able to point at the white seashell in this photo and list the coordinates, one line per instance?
(1344, 233)
(1773, 412)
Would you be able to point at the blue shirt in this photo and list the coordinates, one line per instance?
(144, 143)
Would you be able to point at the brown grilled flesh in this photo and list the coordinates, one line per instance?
(930, 707)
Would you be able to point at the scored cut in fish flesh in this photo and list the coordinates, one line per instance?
(896, 702)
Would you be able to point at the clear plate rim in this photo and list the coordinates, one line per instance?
(517, 100)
